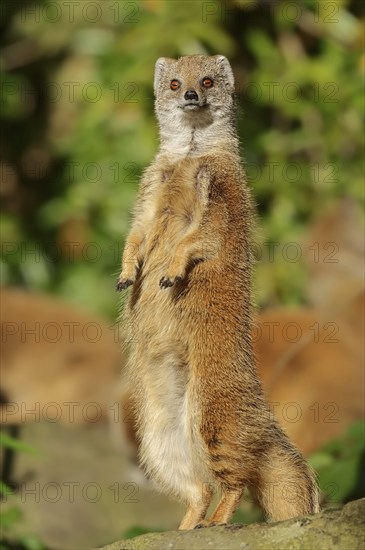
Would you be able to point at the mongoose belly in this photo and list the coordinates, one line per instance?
(172, 450)
(171, 446)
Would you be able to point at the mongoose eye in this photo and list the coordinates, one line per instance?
(207, 82)
(174, 84)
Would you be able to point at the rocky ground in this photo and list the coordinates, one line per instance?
(341, 529)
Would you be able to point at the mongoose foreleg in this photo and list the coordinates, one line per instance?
(131, 256)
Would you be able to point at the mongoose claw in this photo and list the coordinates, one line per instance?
(166, 282)
(208, 523)
(122, 284)
(205, 523)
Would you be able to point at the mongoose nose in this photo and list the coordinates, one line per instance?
(191, 94)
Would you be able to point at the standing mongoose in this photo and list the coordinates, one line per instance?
(200, 410)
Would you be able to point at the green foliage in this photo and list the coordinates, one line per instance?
(339, 465)
(12, 443)
(5, 490)
(11, 515)
(26, 542)
(247, 514)
(84, 91)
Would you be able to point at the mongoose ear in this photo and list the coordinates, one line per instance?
(160, 66)
(225, 67)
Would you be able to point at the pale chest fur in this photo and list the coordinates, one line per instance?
(171, 450)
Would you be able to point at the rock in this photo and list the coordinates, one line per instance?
(340, 529)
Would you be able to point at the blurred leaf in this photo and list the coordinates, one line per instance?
(16, 444)
(4, 489)
(338, 463)
(9, 517)
(31, 542)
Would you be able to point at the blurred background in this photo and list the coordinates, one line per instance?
(78, 128)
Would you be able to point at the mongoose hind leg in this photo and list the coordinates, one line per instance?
(225, 509)
(196, 512)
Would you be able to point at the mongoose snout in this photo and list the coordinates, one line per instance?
(191, 95)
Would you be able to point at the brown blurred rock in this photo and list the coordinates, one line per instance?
(58, 363)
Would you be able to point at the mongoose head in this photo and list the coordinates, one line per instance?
(193, 90)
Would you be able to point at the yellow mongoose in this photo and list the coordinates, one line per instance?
(201, 415)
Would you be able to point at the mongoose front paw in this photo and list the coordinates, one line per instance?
(166, 282)
(123, 283)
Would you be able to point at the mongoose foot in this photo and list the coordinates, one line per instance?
(166, 282)
(207, 523)
(122, 284)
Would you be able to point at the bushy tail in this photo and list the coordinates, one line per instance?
(285, 485)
